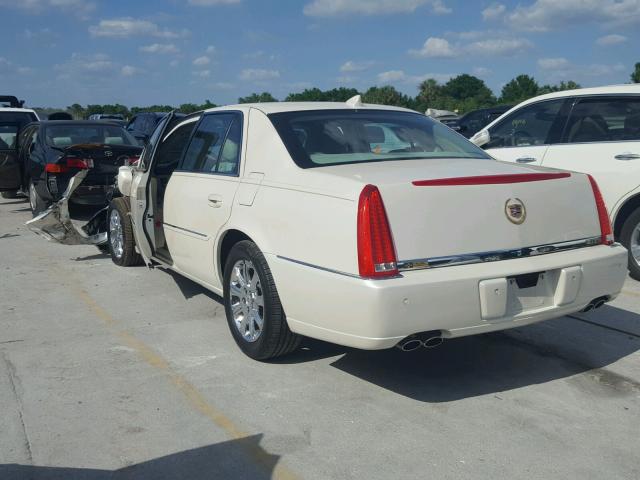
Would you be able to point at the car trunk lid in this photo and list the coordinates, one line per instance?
(441, 208)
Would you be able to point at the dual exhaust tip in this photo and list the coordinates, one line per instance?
(595, 303)
(427, 340)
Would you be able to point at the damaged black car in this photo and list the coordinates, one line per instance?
(69, 171)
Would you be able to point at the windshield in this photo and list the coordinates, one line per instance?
(334, 137)
(66, 135)
(8, 135)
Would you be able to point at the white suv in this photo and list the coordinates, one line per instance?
(590, 130)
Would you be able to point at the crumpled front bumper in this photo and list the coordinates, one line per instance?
(55, 223)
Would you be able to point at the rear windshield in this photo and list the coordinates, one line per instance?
(66, 135)
(333, 137)
(20, 118)
(8, 136)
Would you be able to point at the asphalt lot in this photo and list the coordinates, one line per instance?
(105, 369)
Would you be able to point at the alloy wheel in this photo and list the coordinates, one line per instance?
(116, 236)
(33, 197)
(247, 300)
(634, 244)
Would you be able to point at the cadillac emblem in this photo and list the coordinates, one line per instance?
(515, 211)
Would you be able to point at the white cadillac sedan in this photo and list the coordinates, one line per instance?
(363, 225)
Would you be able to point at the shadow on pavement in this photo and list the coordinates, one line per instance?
(235, 459)
(189, 288)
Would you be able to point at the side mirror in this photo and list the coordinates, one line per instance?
(481, 138)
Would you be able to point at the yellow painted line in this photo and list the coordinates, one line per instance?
(195, 398)
(629, 292)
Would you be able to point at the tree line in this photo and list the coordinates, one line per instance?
(462, 93)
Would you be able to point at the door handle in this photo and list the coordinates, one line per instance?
(526, 160)
(627, 156)
(215, 201)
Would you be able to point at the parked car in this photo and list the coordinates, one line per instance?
(291, 213)
(474, 121)
(12, 121)
(107, 116)
(52, 152)
(143, 124)
(590, 130)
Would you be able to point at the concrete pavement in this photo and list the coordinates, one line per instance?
(108, 372)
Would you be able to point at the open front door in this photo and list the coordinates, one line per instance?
(142, 212)
(10, 173)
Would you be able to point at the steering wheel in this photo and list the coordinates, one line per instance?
(522, 138)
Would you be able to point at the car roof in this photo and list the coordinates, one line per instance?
(109, 122)
(282, 107)
(17, 110)
(628, 88)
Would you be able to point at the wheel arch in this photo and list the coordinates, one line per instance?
(629, 206)
(227, 240)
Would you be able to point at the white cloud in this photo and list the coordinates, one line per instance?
(258, 75)
(484, 43)
(128, 27)
(499, 46)
(160, 48)
(544, 15)
(351, 66)
(399, 76)
(210, 49)
(562, 69)
(202, 61)
(481, 71)
(81, 8)
(553, 63)
(613, 39)
(211, 3)
(392, 76)
(329, 8)
(128, 71)
(202, 73)
(493, 11)
(435, 47)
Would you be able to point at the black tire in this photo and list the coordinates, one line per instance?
(36, 202)
(275, 338)
(128, 257)
(10, 194)
(630, 224)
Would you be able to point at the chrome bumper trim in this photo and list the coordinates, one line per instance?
(495, 256)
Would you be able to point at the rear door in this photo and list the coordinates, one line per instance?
(602, 138)
(525, 134)
(142, 212)
(10, 173)
(200, 194)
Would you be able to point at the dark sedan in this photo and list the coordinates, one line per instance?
(54, 151)
(472, 122)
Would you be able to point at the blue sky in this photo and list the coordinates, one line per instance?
(174, 51)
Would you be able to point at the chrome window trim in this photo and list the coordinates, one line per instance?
(497, 255)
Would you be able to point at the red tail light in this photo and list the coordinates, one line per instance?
(55, 168)
(603, 216)
(82, 163)
(376, 252)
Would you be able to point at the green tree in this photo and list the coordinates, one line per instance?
(635, 76)
(308, 95)
(430, 95)
(386, 95)
(519, 89)
(77, 111)
(189, 108)
(568, 85)
(258, 98)
(341, 94)
(465, 87)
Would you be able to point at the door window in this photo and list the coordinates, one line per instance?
(604, 119)
(215, 146)
(529, 126)
(172, 148)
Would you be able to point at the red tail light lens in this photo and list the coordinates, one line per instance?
(55, 168)
(376, 252)
(82, 163)
(603, 216)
